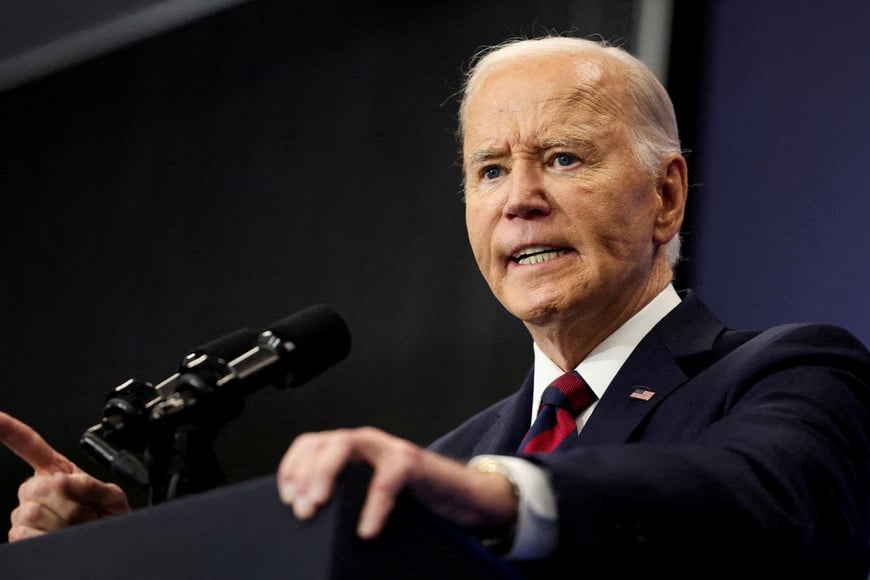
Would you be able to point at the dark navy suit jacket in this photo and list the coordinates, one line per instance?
(752, 456)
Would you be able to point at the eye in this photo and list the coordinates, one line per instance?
(564, 160)
(491, 172)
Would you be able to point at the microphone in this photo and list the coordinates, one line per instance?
(299, 347)
(210, 385)
(209, 359)
(288, 353)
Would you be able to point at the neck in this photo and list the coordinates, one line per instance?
(569, 340)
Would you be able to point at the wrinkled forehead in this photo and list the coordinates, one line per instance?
(574, 89)
(590, 80)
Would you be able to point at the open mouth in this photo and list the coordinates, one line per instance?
(537, 254)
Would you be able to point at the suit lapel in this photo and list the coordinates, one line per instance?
(653, 370)
(686, 334)
(509, 427)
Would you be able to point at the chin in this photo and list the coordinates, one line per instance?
(536, 312)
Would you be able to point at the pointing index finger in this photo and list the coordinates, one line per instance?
(29, 445)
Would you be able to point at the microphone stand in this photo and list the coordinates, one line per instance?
(179, 455)
(161, 437)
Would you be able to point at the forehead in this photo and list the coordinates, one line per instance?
(543, 93)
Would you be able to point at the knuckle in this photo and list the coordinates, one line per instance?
(38, 486)
(27, 513)
(368, 431)
(16, 533)
(16, 515)
(26, 518)
(409, 455)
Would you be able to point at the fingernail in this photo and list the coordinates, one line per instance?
(303, 508)
(365, 529)
(287, 491)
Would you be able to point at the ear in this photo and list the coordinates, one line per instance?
(673, 189)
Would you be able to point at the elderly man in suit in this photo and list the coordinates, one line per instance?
(647, 436)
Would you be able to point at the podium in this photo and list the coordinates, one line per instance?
(243, 531)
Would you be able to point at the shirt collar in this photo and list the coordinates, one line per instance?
(601, 365)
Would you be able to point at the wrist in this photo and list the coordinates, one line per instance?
(498, 538)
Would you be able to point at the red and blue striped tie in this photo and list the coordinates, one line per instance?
(561, 402)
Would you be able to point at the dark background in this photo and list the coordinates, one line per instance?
(255, 158)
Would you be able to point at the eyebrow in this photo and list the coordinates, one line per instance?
(482, 156)
(564, 143)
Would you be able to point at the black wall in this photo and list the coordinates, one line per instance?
(236, 170)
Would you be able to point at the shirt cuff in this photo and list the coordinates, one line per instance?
(536, 532)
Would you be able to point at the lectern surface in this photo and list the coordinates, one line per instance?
(244, 531)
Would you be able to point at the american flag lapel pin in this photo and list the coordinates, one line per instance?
(642, 393)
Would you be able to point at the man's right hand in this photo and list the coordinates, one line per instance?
(59, 493)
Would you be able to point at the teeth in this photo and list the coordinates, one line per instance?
(538, 254)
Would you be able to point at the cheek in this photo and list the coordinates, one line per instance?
(629, 216)
(478, 233)
(609, 231)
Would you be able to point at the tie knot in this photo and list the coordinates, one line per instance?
(556, 424)
(570, 392)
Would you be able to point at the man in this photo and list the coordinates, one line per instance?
(704, 449)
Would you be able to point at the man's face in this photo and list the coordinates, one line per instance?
(560, 215)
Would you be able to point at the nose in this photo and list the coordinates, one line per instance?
(527, 196)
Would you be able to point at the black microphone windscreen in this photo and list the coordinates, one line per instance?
(320, 339)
